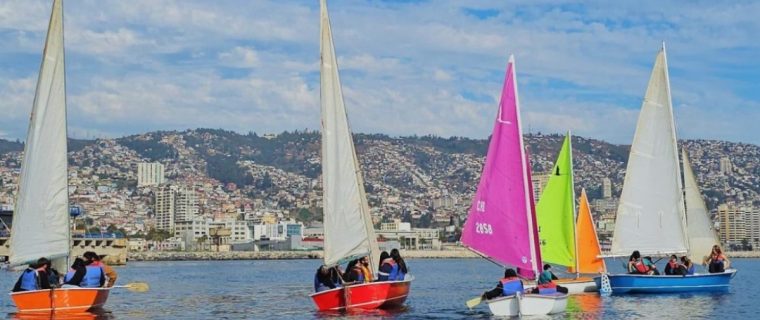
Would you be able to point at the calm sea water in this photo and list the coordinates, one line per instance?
(280, 289)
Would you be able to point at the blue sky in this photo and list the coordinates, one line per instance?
(407, 67)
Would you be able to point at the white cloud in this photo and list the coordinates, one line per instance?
(241, 57)
(145, 65)
(440, 75)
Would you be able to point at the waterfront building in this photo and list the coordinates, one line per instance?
(739, 224)
(174, 204)
(539, 181)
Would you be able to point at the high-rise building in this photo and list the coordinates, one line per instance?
(164, 208)
(606, 188)
(739, 223)
(185, 204)
(150, 174)
(539, 182)
(174, 204)
(726, 168)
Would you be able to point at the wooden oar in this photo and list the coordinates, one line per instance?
(474, 302)
(135, 286)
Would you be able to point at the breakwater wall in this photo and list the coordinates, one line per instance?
(279, 255)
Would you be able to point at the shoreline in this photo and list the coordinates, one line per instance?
(280, 255)
(299, 255)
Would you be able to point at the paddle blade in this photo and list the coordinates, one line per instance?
(474, 302)
(137, 287)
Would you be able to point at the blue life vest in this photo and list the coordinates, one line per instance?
(394, 274)
(92, 277)
(510, 286)
(29, 280)
(69, 275)
(691, 270)
(400, 275)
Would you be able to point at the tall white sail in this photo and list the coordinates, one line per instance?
(650, 217)
(349, 231)
(702, 234)
(41, 217)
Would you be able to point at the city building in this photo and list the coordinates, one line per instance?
(606, 188)
(726, 168)
(739, 224)
(150, 174)
(539, 181)
(174, 204)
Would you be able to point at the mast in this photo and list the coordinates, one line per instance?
(575, 213)
(527, 183)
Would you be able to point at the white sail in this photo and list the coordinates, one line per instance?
(650, 217)
(702, 234)
(41, 217)
(349, 231)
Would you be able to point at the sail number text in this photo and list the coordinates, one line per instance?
(483, 228)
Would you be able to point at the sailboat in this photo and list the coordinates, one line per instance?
(348, 229)
(564, 241)
(501, 223)
(651, 217)
(41, 216)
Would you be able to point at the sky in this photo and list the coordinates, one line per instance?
(407, 67)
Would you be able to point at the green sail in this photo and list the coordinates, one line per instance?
(555, 211)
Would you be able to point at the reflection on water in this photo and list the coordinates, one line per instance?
(280, 290)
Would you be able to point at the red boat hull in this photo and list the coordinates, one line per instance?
(366, 296)
(62, 300)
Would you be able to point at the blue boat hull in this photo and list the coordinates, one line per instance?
(637, 283)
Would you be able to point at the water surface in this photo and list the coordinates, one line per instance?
(280, 289)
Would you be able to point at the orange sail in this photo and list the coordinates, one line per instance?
(588, 244)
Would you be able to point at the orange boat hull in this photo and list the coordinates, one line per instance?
(366, 296)
(61, 300)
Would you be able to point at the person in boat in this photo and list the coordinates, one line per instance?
(651, 267)
(546, 284)
(357, 271)
(687, 266)
(673, 268)
(717, 261)
(34, 277)
(402, 270)
(94, 276)
(388, 268)
(54, 278)
(326, 279)
(635, 265)
(76, 274)
(507, 286)
(97, 260)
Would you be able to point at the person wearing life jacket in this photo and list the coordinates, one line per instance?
(687, 266)
(34, 277)
(546, 284)
(402, 270)
(651, 267)
(94, 276)
(673, 268)
(383, 269)
(110, 273)
(364, 268)
(507, 286)
(76, 274)
(635, 265)
(326, 279)
(717, 262)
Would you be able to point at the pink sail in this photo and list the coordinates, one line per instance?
(499, 220)
(533, 222)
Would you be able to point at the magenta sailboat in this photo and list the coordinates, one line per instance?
(501, 224)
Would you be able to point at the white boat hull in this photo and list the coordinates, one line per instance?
(528, 305)
(578, 286)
